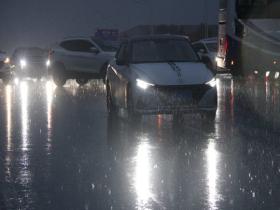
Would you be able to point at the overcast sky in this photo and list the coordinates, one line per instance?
(39, 22)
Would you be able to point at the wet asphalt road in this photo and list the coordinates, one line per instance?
(59, 150)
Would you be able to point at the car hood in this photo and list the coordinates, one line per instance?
(180, 73)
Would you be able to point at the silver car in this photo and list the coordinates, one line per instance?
(159, 74)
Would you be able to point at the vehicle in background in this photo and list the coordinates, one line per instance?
(5, 73)
(80, 58)
(159, 74)
(249, 38)
(29, 62)
(207, 50)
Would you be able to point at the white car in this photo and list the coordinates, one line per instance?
(207, 50)
(80, 58)
(159, 74)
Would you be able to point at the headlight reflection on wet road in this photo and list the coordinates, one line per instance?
(50, 88)
(212, 157)
(142, 176)
(9, 131)
(24, 114)
(9, 116)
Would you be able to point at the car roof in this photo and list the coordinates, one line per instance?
(153, 37)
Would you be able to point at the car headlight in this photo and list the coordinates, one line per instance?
(22, 63)
(7, 60)
(212, 82)
(142, 84)
(48, 63)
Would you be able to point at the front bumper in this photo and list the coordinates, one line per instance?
(170, 99)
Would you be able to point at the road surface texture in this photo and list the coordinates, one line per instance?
(59, 150)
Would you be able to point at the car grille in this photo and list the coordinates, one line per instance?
(173, 96)
(196, 92)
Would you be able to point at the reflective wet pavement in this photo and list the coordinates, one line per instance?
(59, 150)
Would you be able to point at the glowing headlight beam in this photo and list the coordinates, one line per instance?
(142, 84)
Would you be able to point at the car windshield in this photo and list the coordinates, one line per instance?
(109, 46)
(162, 50)
(212, 47)
(29, 52)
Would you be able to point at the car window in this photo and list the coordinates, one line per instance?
(105, 45)
(162, 50)
(77, 45)
(197, 47)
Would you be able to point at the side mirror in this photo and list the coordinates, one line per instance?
(94, 50)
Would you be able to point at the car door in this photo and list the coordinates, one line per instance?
(82, 56)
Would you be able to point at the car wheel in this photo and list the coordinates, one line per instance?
(131, 114)
(58, 75)
(110, 105)
(82, 81)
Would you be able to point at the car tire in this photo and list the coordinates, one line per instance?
(112, 109)
(58, 75)
(82, 81)
(131, 114)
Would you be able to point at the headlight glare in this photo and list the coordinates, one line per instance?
(7, 60)
(143, 84)
(48, 63)
(22, 63)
